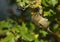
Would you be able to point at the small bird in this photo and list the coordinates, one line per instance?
(41, 22)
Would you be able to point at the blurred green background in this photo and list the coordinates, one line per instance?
(19, 27)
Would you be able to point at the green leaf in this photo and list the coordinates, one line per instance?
(37, 41)
(44, 33)
(54, 2)
(47, 13)
(44, 3)
(4, 24)
(32, 27)
(43, 40)
(8, 38)
(56, 26)
(23, 29)
(22, 3)
(47, 3)
(28, 37)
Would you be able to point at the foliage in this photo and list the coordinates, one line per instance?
(24, 30)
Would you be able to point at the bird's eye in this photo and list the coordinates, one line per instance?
(36, 9)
